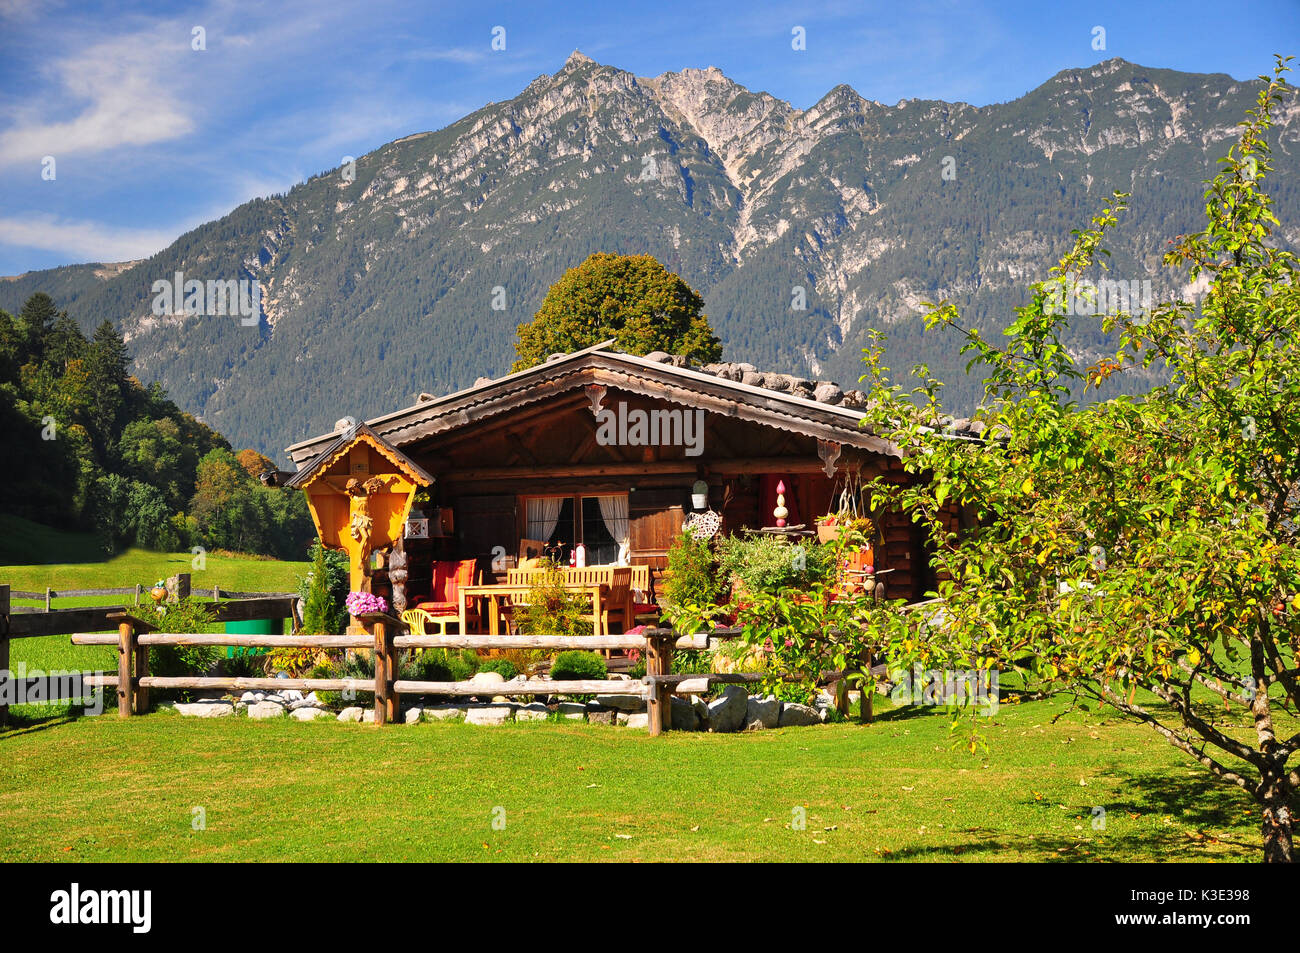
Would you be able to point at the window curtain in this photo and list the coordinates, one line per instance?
(614, 511)
(543, 514)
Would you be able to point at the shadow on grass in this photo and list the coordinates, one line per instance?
(1207, 821)
(26, 724)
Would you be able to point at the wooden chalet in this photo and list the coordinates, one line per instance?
(554, 454)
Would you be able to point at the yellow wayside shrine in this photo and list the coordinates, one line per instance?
(359, 491)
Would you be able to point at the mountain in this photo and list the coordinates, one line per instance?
(380, 284)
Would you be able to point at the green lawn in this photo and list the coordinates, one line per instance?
(104, 788)
(34, 557)
(125, 789)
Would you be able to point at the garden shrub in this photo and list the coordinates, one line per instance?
(323, 590)
(187, 615)
(573, 665)
(770, 564)
(552, 609)
(355, 665)
(693, 575)
(245, 663)
(503, 667)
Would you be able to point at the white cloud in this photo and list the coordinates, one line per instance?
(84, 240)
(118, 92)
(457, 55)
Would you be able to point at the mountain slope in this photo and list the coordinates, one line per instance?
(382, 286)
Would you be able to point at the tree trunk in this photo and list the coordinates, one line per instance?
(1277, 823)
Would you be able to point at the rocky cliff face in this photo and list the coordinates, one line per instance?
(802, 228)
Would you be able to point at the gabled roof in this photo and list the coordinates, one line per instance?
(596, 365)
(344, 442)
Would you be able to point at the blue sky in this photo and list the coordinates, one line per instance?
(151, 137)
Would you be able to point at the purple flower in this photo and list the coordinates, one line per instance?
(365, 603)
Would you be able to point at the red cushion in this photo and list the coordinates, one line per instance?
(450, 607)
(643, 608)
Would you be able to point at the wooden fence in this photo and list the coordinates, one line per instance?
(135, 636)
(28, 622)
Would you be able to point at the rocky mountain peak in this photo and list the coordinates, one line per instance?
(800, 228)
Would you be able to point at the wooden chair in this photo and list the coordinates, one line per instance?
(617, 581)
(448, 577)
(644, 607)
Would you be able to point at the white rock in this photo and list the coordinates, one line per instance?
(727, 712)
(249, 697)
(350, 714)
(292, 695)
(444, 713)
(685, 717)
(265, 709)
(368, 716)
(206, 709)
(413, 715)
(485, 715)
(575, 711)
(273, 699)
(763, 713)
(797, 716)
(621, 702)
(487, 679)
(308, 713)
(534, 712)
(693, 686)
(638, 719)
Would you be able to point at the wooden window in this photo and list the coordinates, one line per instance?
(577, 519)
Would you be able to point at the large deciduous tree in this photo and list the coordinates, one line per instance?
(631, 298)
(1134, 553)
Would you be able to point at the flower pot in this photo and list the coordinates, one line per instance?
(828, 532)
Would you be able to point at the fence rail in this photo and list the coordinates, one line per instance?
(135, 637)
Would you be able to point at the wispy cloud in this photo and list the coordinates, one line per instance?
(83, 240)
(458, 55)
(113, 93)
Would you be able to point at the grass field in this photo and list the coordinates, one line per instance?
(109, 789)
(35, 557)
(101, 788)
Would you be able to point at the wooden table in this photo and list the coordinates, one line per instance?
(494, 594)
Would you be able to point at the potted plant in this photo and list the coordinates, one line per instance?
(700, 495)
(828, 528)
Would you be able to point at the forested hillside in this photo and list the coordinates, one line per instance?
(87, 447)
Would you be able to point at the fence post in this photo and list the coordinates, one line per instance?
(140, 702)
(127, 648)
(4, 648)
(386, 701)
(49, 594)
(659, 661)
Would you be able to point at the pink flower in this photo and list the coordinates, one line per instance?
(365, 603)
